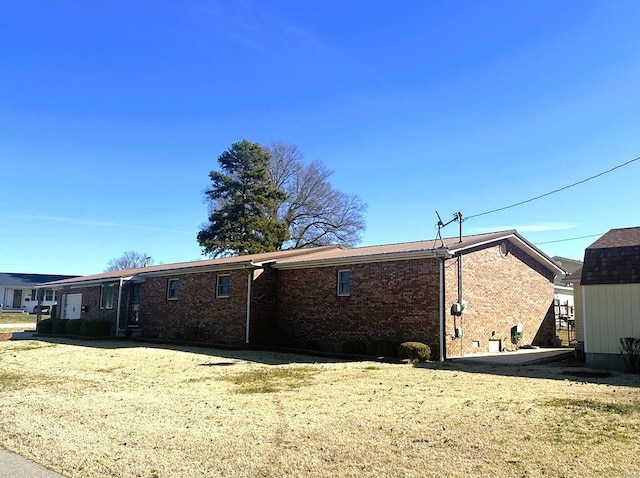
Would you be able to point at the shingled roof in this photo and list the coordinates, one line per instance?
(27, 281)
(613, 259)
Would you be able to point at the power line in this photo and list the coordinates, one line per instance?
(555, 190)
(569, 239)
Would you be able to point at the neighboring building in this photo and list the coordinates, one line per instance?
(327, 296)
(573, 280)
(18, 291)
(563, 293)
(610, 283)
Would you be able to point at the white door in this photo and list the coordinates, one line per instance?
(71, 306)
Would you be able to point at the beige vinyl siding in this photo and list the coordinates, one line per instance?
(613, 311)
(577, 312)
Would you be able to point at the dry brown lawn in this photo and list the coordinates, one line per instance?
(100, 409)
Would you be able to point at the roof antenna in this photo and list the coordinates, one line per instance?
(457, 216)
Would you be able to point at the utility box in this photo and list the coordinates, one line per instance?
(516, 333)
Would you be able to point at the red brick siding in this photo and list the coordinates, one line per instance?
(389, 301)
(197, 314)
(500, 292)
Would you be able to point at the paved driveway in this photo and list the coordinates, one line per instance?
(14, 466)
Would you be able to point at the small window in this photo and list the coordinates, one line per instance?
(106, 296)
(223, 286)
(48, 294)
(135, 293)
(34, 295)
(172, 289)
(344, 283)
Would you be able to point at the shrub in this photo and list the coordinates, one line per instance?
(630, 350)
(58, 327)
(73, 327)
(44, 326)
(383, 348)
(95, 328)
(355, 347)
(415, 351)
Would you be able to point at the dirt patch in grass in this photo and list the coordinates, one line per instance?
(122, 409)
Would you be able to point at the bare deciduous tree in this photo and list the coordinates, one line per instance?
(315, 213)
(130, 260)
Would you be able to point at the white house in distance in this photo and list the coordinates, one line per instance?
(610, 284)
(563, 293)
(18, 293)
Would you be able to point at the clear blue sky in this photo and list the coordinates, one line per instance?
(112, 114)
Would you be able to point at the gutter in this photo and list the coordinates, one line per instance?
(118, 312)
(441, 252)
(250, 267)
(442, 314)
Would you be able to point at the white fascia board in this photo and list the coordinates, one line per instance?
(201, 268)
(89, 283)
(514, 239)
(386, 257)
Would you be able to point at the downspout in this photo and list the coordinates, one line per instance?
(442, 314)
(249, 280)
(460, 301)
(118, 311)
(584, 321)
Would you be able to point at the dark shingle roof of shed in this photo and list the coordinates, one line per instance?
(613, 259)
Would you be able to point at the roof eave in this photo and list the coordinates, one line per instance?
(383, 257)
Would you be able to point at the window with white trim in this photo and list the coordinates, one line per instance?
(173, 286)
(106, 296)
(223, 285)
(49, 294)
(344, 283)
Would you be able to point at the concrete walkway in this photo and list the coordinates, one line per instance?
(518, 357)
(14, 466)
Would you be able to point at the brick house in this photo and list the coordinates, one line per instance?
(610, 285)
(406, 292)
(323, 297)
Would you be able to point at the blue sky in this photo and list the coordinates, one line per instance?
(112, 114)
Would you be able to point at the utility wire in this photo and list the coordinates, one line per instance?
(569, 239)
(555, 190)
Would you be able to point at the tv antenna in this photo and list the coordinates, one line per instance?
(457, 216)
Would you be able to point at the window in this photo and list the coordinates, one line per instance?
(172, 289)
(223, 286)
(135, 293)
(34, 295)
(48, 294)
(344, 283)
(106, 296)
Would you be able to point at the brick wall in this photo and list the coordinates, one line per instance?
(398, 301)
(395, 301)
(501, 291)
(197, 314)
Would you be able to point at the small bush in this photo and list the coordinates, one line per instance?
(354, 347)
(630, 350)
(58, 327)
(45, 326)
(415, 351)
(383, 348)
(73, 327)
(95, 328)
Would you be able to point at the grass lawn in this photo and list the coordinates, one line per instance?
(16, 318)
(119, 409)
